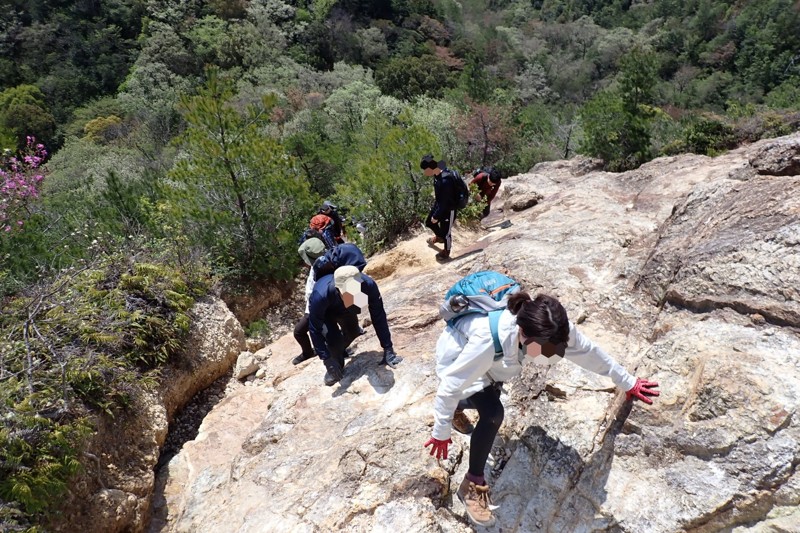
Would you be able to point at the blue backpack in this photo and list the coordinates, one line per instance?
(484, 292)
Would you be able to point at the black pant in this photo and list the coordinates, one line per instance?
(491, 413)
(301, 335)
(441, 228)
(486, 210)
(350, 329)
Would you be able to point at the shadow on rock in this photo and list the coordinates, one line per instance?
(566, 489)
(474, 249)
(380, 376)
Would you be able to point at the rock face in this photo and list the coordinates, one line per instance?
(114, 492)
(685, 270)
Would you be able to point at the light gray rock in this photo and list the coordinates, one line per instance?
(523, 201)
(778, 158)
(246, 365)
(253, 345)
(685, 270)
(116, 509)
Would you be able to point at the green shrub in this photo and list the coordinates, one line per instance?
(786, 95)
(708, 136)
(470, 216)
(257, 328)
(765, 124)
(236, 192)
(82, 344)
(613, 133)
(409, 77)
(103, 129)
(38, 454)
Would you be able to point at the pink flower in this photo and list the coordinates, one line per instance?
(19, 184)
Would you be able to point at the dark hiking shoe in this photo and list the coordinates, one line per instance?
(432, 240)
(461, 423)
(390, 358)
(477, 503)
(444, 255)
(334, 373)
(348, 352)
(303, 357)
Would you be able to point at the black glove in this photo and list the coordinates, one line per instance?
(334, 369)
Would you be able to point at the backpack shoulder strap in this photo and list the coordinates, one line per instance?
(494, 327)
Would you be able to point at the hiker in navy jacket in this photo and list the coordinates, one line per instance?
(344, 254)
(335, 301)
(443, 212)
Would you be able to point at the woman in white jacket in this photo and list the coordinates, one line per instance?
(469, 371)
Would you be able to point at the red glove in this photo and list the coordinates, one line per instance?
(439, 447)
(642, 389)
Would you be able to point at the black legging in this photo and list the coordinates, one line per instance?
(486, 211)
(491, 413)
(442, 228)
(301, 336)
(349, 329)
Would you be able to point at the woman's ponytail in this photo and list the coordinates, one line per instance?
(517, 300)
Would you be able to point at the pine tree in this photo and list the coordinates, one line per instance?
(237, 190)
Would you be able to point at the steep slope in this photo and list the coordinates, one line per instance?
(686, 270)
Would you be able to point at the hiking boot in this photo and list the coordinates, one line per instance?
(390, 358)
(303, 357)
(348, 352)
(477, 503)
(433, 240)
(444, 255)
(461, 423)
(335, 371)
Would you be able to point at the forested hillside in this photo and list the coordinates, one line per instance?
(153, 147)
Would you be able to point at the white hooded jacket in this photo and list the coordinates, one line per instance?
(309, 288)
(465, 362)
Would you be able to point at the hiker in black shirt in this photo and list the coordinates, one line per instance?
(443, 212)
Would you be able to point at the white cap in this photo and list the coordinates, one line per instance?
(348, 277)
